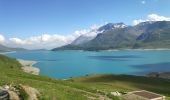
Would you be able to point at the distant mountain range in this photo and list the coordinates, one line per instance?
(146, 35)
(8, 49)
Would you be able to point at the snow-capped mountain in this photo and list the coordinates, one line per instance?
(146, 35)
(93, 33)
(86, 37)
(111, 26)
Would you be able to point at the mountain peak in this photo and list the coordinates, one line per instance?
(146, 23)
(111, 26)
(93, 33)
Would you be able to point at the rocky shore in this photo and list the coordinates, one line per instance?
(28, 66)
(165, 75)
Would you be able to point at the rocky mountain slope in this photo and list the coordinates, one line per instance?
(149, 35)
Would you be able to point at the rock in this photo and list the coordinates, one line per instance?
(6, 87)
(11, 92)
(31, 92)
(116, 93)
(4, 95)
(165, 75)
(13, 95)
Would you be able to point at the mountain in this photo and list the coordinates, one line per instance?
(38, 50)
(85, 37)
(115, 38)
(93, 33)
(3, 48)
(156, 35)
(149, 35)
(8, 49)
(111, 26)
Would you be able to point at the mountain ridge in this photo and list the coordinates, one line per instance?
(142, 35)
(94, 32)
(4, 48)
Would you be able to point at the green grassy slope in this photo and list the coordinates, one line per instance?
(108, 83)
(50, 89)
(83, 88)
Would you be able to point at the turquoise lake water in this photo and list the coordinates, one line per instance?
(66, 64)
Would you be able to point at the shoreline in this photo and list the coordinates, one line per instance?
(110, 50)
(158, 49)
(4, 53)
(27, 66)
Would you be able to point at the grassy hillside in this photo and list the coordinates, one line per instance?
(110, 83)
(50, 89)
(82, 88)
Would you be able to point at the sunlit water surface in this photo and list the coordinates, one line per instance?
(66, 64)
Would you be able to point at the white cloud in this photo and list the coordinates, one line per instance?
(49, 41)
(2, 39)
(143, 2)
(16, 41)
(42, 41)
(93, 30)
(96, 26)
(137, 21)
(152, 17)
(89, 32)
(80, 32)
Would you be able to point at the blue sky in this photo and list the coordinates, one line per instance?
(32, 17)
(29, 18)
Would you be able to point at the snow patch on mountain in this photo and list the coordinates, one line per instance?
(94, 32)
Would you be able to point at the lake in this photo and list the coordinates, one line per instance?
(66, 64)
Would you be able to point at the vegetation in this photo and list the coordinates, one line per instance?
(50, 89)
(82, 88)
